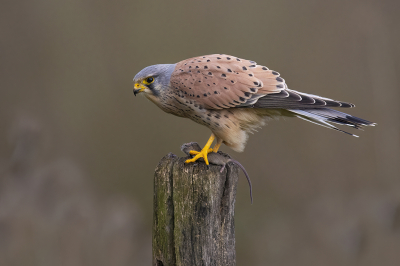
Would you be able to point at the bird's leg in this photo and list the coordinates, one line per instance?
(217, 145)
(203, 153)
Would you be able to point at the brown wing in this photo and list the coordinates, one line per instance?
(222, 81)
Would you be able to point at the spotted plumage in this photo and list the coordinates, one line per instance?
(234, 96)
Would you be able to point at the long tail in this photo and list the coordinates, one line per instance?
(322, 117)
(247, 176)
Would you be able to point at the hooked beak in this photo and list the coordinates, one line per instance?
(138, 88)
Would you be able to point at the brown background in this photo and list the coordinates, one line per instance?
(78, 150)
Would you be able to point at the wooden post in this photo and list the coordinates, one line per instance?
(193, 222)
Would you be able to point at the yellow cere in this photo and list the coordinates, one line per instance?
(140, 86)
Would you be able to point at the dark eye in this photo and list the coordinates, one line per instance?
(149, 80)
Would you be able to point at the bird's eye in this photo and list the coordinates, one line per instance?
(149, 80)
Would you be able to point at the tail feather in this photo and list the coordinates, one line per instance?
(322, 117)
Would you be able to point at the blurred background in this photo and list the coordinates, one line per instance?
(78, 150)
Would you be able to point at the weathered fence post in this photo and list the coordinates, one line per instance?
(193, 222)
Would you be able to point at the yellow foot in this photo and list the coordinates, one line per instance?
(192, 152)
(200, 154)
(203, 153)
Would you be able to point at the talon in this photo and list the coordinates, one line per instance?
(203, 153)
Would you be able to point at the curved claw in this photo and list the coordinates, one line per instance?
(202, 154)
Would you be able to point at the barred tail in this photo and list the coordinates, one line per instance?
(325, 116)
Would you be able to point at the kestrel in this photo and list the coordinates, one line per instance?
(233, 97)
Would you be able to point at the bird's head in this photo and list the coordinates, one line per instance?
(153, 79)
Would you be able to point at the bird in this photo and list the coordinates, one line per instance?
(234, 97)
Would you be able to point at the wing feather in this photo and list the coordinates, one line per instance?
(221, 81)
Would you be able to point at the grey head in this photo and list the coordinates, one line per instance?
(152, 79)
